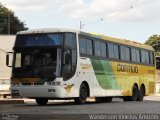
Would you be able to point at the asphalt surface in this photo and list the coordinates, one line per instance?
(68, 110)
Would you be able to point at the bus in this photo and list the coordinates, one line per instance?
(55, 63)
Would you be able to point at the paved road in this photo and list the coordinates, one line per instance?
(151, 105)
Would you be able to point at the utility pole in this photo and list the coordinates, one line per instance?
(81, 25)
(9, 24)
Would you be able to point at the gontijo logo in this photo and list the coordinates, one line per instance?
(127, 68)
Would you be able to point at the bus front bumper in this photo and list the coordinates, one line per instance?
(38, 91)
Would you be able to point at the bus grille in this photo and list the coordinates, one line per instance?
(32, 83)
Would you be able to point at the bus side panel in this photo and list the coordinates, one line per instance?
(129, 74)
(110, 78)
(120, 76)
(147, 77)
(105, 79)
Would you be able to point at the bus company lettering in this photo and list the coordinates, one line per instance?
(127, 68)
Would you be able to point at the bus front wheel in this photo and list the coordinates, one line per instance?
(83, 94)
(41, 101)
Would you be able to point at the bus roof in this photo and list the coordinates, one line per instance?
(47, 30)
(98, 36)
(118, 40)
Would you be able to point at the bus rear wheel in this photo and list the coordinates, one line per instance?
(41, 101)
(141, 93)
(83, 94)
(134, 96)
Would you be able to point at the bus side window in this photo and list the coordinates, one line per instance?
(123, 52)
(138, 59)
(103, 49)
(89, 47)
(151, 54)
(143, 56)
(98, 51)
(83, 45)
(116, 51)
(110, 50)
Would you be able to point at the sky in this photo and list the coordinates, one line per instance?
(134, 20)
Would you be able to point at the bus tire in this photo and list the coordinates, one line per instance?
(83, 94)
(134, 96)
(141, 93)
(41, 101)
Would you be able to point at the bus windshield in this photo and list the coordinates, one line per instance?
(34, 63)
(42, 54)
(38, 40)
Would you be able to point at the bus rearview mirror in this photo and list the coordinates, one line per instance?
(8, 59)
(67, 58)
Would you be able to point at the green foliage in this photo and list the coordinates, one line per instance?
(7, 15)
(154, 41)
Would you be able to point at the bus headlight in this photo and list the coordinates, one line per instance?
(56, 83)
(15, 84)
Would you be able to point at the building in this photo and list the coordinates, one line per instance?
(6, 45)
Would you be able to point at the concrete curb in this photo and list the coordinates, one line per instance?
(11, 101)
(157, 94)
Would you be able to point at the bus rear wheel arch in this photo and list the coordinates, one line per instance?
(83, 93)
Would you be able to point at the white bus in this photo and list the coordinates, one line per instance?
(70, 64)
(6, 45)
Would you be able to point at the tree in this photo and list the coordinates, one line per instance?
(9, 23)
(154, 41)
